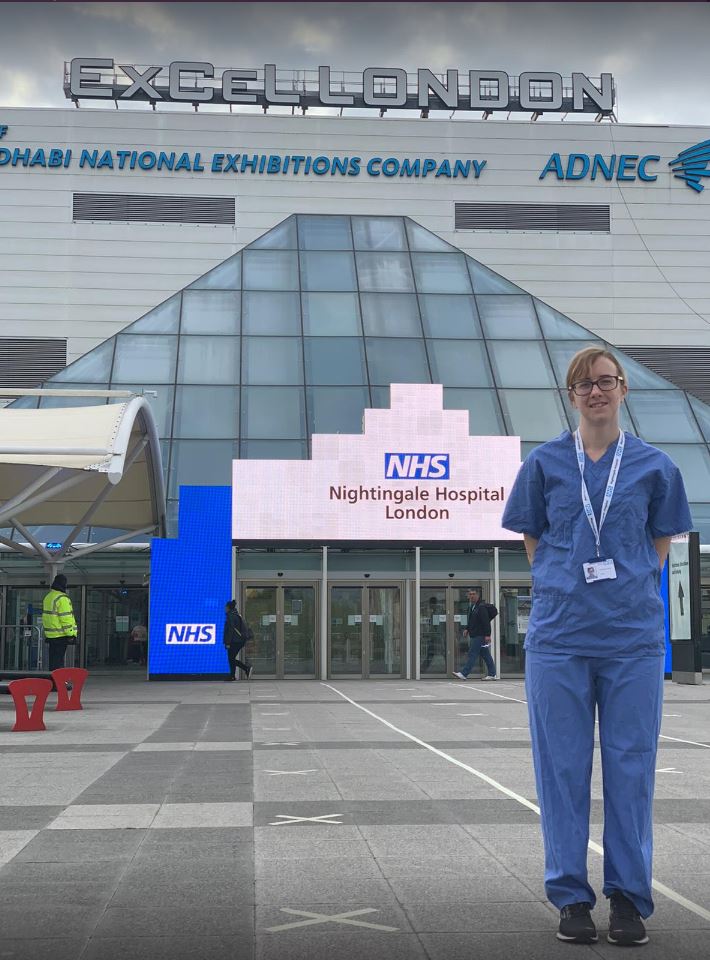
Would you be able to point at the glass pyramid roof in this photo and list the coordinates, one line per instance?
(308, 325)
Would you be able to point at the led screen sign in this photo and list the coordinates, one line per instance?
(414, 476)
(382, 88)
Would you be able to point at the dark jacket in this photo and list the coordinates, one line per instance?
(479, 623)
(233, 630)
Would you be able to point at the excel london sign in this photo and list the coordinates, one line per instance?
(382, 88)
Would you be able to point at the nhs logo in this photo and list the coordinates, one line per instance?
(416, 466)
(179, 634)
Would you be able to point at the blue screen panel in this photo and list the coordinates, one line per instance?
(190, 582)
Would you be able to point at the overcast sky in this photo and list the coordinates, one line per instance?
(657, 52)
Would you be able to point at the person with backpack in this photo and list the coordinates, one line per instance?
(236, 634)
(478, 631)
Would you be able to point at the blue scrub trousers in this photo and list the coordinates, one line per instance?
(563, 691)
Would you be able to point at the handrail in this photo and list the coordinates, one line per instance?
(21, 646)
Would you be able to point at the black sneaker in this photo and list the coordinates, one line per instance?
(626, 927)
(576, 924)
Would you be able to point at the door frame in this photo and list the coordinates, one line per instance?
(352, 584)
(273, 583)
(487, 586)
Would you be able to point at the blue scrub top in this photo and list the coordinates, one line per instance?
(608, 618)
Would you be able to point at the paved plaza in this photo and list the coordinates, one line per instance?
(305, 820)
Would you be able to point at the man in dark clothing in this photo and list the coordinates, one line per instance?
(234, 638)
(478, 630)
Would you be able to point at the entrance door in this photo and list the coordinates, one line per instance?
(366, 631)
(283, 620)
(112, 613)
(514, 606)
(443, 613)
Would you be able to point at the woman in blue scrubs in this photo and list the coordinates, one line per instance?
(597, 509)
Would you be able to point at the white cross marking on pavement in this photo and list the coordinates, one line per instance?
(512, 728)
(284, 714)
(471, 714)
(345, 918)
(281, 743)
(292, 773)
(666, 770)
(276, 729)
(324, 818)
(672, 714)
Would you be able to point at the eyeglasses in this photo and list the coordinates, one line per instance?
(582, 388)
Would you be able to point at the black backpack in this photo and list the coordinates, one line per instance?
(492, 610)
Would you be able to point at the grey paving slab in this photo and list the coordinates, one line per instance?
(42, 949)
(166, 948)
(44, 873)
(133, 922)
(86, 846)
(32, 817)
(353, 945)
(469, 918)
(343, 890)
(34, 920)
(197, 843)
(530, 945)
(317, 869)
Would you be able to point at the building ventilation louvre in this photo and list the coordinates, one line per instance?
(582, 217)
(686, 367)
(28, 362)
(153, 208)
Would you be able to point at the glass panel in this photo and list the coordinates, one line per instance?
(379, 233)
(557, 326)
(527, 446)
(432, 620)
(385, 271)
(508, 317)
(486, 281)
(441, 273)
(225, 276)
(111, 616)
(270, 269)
(700, 513)
(335, 360)
(162, 319)
(200, 463)
(260, 614)
(273, 413)
(140, 358)
(639, 377)
(274, 450)
(272, 360)
(161, 404)
(521, 364)
(25, 403)
(271, 312)
(379, 397)
(324, 233)
(206, 412)
(53, 402)
(423, 239)
(562, 351)
(514, 605)
(533, 414)
(385, 630)
(397, 361)
(390, 315)
(94, 367)
(328, 271)
(484, 417)
(459, 363)
(694, 463)
(209, 360)
(449, 315)
(702, 414)
(299, 630)
(214, 311)
(663, 415)
(337, 409)
(331, 314)
(281, 237)
(346, 630)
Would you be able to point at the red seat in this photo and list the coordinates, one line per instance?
(29, 719)
(69, 682)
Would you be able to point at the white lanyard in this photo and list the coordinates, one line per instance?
(610, 485)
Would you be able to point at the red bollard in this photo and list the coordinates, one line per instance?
(69, 682)
(26, 719)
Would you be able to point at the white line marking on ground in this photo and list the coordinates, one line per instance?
(666, 770)
(332, 918)
(324, 818)
(661, 887)
(285, 714)
(470, 714)
(500, 696)
(454, 703)
(290, 773)
(694, 743)
(672, 714)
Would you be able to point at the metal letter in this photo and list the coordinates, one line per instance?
(328, 98)
(141, 81)
(479, 102)
(449, 94)
(372, 99)
(234, 88)
(536, 103)
(191, 95)
(79, 81)
(603, 98)
(270, 87)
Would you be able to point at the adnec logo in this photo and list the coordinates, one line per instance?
(692, 164)
(416, 466)
(179, 634)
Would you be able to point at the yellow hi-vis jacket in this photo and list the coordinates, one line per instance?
(58, 616)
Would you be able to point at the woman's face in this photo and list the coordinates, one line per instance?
(600, 407)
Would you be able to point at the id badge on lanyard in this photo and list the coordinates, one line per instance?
(601, 568)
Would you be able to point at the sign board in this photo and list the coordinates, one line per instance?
(679, 588)
(414, 475)
(121, 624)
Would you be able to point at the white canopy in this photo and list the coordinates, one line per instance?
(75, 466)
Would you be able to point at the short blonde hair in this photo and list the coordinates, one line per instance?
(582, 362)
